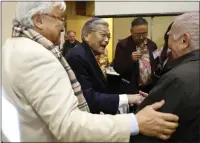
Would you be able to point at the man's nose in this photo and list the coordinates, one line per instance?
(106, 39)
(141, 37)
(62, 28)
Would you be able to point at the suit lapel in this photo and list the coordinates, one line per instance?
(93, 62)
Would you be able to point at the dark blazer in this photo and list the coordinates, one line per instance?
(67, 46)
(128, 69)
(179, 87)
(93, 83)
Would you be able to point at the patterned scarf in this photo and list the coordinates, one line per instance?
(21, 31)
(144, 64)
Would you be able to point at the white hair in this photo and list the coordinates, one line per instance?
(91, 25)
(187, 23)
(25, 10)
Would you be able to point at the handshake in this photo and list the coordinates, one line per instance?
(151, 122)
(136, 99)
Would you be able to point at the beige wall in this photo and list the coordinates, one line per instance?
(76, 23)
(8, 12)
(160, 25)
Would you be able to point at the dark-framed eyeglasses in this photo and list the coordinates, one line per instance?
(138, 35)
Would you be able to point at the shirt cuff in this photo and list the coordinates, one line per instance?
(134, 125)
(123, 100)
(123, 104)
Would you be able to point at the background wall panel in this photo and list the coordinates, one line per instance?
(125, 7)
(76, 23)
(159, 27)
(8, 12)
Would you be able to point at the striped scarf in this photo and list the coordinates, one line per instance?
(21, 31)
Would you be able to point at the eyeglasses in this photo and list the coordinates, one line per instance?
(138, 35)
(102, 34)
(62, 19)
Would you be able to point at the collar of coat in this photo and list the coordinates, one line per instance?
(191, 56)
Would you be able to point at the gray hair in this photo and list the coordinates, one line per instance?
(188, 22)
(91, 25)
(25, 10)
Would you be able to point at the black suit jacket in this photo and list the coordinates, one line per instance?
(93, 83)
(67, 46)
(179, 87)
(128, 69)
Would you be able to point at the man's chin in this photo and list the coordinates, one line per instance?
(101, 52)
(98, 52)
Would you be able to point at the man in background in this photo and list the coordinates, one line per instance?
(70, 42)
(136, 58)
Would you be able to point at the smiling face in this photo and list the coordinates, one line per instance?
(98, 39)
(71, 37)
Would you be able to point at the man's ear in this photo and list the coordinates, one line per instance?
(131, 29)
(86, 37)
(37, 21)
(185, 40)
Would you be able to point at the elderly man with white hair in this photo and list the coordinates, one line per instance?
(49, 102)
(179, 85)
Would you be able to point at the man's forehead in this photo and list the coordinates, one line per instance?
(102, 28)
(57, 11)
(174, 28)
(71, 33)
(140, 27)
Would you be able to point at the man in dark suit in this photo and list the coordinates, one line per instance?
(93, 82)
(131, 52)
(70, 42)
(179, 85)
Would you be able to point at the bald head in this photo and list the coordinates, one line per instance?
(70, 35)
(184, 34)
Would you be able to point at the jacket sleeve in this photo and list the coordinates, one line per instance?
(107, 103)
(177, 100)
(122, 62)
(42, 80)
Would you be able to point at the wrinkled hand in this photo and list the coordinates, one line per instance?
(156, 124)
(135, 56)
(144, 94)
(136, 99)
